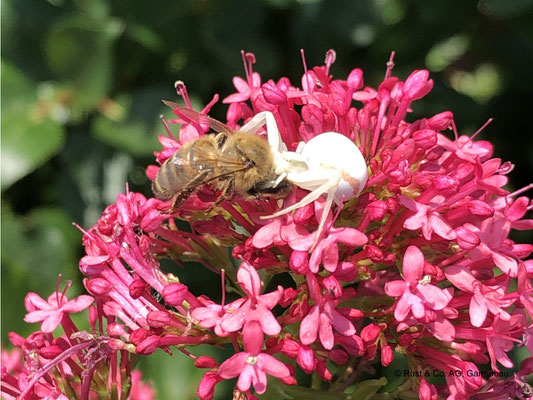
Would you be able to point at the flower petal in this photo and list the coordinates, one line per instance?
(78, 304)
(395, 288)
(402, 307)
(272, 366)
(413, 264)
(461, 277)
(433, 296)
(233, 366)
(477, 310)
(52, 322)
(309, 326)
(325, 332)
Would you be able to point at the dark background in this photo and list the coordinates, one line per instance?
(82, 83)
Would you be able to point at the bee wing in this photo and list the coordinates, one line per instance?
(179, 176)
(195, 116)
(221, 165)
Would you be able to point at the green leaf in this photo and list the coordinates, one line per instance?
(29, 137)
(41, 245)
(78, 50)
(277, 390)
(35, 249)
(367, 389)
(508, 9)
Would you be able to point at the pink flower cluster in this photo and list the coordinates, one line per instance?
(419, 265)
(71, 365)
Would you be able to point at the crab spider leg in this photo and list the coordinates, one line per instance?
(313, 178)
(326, 187)
(273, 135)
(324, 216)
(280, 178)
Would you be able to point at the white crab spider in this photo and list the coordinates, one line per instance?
(329, 164)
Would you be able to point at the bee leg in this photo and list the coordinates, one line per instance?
(226, 193)
(184, 194)
(179, 199)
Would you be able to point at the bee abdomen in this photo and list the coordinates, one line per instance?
(169, 180)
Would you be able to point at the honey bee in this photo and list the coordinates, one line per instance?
(231, 161)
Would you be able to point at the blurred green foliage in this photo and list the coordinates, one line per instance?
(82, 82)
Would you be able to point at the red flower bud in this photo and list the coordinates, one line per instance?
(205, 362)
(174, 293)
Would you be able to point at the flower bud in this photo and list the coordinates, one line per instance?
(338, 356)
(98, 286)
(427, 391)
(50, 352)
(288, 296)
(351, 313)
(387, 355)
(346, 271)
(206, 388)
(288, 380)
(111, 308)
(446, 185)
(370, 333)
(137, 288)
(352, 344)
(466, 239)
(355, 79)
(425, 138)
(441, 121)
(290, 348)
(174, 293)
(417, 85)
(299, 262)
(480, 208)
(159, 319)
(273, 94)
(306, 359)
(377, 210)
(138, 335)
(116, 330)
(205, 362)
(148, 345)
(304, 214)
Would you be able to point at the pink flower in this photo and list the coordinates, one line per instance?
(484, 298)
(140, 390)
(417, 295)
(210, 316)
(492, 234)
(255, 308)
(52, 311)
(252, 365)
(500, 341)
(427, 218)
(323, 317)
